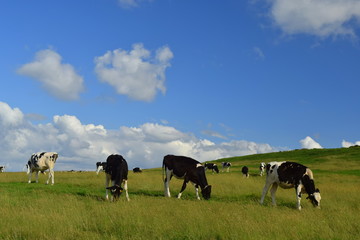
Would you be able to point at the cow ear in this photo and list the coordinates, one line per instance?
(317, 190)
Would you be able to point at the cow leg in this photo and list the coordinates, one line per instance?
(298, 196)
(182, 188)
(126, 190)
(107, 180)
(51, 175)
(37, 176)
(30, 173)
(197, 191)
(167, 183)
(265, 190)
(273, 193)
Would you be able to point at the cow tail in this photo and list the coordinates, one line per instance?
(163, 170)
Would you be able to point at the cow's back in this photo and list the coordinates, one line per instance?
(117, 167)
(179, 164)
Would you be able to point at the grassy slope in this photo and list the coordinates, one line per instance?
(74, 208)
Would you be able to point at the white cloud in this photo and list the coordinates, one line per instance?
(59, 79)
(346, 144)
(136, 73)
(321, 18)
(80, 145)
(309, 143)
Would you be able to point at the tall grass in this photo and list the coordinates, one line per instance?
(74, 208)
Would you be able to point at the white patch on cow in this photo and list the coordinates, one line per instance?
(198, 165)
(100, 168)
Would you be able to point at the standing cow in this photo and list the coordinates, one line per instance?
(291, 175)
(117, 171)
(245, 171)
(100, 166)
(212, 166)
(262, 168)
(226, 165)
(188, 169)
(2, 168)
(40, 162)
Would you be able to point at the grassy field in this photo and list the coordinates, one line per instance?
(74, 208)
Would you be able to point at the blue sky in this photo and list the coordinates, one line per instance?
(205, 79)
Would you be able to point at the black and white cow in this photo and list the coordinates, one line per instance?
(226, 165)
(291, 175)
(188, 169)
(40, 162)
(212, 166)
(100, 166)
(117, 171)
(137, 170)
(245, 171)
(262, 168)
(2, 168)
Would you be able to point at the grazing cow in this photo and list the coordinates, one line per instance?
(2, 168)
(226, 165)
(40, 162)
(245, 171)
(212, 166)
(100, 166)
(188, 169)
(117, 171)
(289, 175)
(262, 168)
(137, 170)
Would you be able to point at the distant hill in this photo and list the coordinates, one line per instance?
(323, 161)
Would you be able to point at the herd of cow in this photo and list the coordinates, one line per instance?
(283, 174)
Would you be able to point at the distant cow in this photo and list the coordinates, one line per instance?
(212, 166)
(289, 175)
(40, 162)
(245, 171)
(226, 165)
(137, 170)
(100, 166)
(117, 171)
(262, 168)
(188, 169)
(2, 168)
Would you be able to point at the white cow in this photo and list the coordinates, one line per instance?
(262, 168)
(291, 175)
(40, 162)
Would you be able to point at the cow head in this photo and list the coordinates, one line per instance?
(206, 191)
(315, 198)
(116, 191)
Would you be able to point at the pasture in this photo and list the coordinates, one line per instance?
(74, 208)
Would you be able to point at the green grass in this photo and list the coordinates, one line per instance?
(74, 208)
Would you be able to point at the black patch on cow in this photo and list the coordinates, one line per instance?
(117, 167)
(291, 172)
(245, 170)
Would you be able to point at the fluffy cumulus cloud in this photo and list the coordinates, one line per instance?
(309, 143)
(346, 144)
(136, 73)
(322, 18)
(59, 79)
(80, 145)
